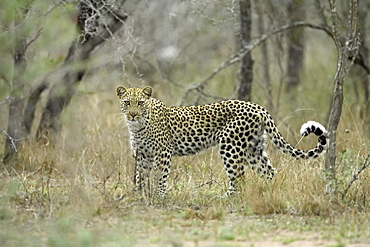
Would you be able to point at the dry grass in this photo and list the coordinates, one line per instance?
(79, 192)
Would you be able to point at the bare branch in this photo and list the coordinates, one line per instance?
(361, 61)
(13, 141)
(334, 20)
(39, 32)
(355, 176)
(157, 70)
(105, 34)
(234, 58)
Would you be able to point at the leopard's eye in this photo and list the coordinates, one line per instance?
(127, 103)
(140, 103)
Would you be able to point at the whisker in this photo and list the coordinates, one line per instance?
(120, 120)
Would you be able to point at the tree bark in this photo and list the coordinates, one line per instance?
(61, 93)
(265, 76)
(15, 130)
(346, 50)
(295, 40)
(362, 62)
(246, 67)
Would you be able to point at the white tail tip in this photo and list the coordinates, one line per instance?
(312, 127)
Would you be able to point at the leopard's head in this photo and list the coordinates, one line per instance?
(135, 102)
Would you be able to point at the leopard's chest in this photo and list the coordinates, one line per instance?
(149, 138)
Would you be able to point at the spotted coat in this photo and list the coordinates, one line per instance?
(239, 128)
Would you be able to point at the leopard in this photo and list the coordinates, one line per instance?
(239, 128)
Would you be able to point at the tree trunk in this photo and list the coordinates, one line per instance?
(265, 76)
(61, 93)
(346, 50)
(334, 117)
(15, 131)
(295, 40)
(362, 60)
(246, 67)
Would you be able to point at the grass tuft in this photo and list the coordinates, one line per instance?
(80, 191)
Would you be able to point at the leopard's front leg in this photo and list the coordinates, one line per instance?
(142, 172)
(163, 166)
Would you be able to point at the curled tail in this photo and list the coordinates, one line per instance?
(306, 129)
(320, 132)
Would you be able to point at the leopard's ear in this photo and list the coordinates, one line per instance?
(121, 90)
(148, 91)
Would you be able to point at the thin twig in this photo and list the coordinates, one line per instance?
(210, 182)
(234, 58)
(157, 70)
(39, 32)
(355, 177)
(13, 140)
(7, 100)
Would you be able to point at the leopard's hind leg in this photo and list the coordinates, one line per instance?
(232, 150)
(257, 156)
